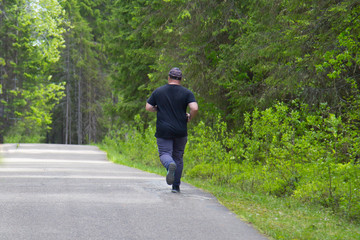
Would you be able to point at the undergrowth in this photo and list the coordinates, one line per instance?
(286, 153)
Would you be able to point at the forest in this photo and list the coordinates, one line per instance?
(277, 83)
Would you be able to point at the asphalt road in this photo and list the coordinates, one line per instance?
(74, 192)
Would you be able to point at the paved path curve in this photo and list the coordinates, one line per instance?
(73, 192)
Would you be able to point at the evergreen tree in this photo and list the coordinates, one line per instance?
(84, 71)
(30, 46)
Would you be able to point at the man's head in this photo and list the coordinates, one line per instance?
(175, 74)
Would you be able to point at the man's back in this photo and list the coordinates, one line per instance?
(171, 101)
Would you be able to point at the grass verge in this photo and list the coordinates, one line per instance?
(278, 218)
(283, 218)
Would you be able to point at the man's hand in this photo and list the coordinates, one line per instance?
(194, 108)
(188, 117)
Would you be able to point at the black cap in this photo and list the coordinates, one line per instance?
(175, 73)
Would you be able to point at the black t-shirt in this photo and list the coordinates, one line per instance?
(171, 101)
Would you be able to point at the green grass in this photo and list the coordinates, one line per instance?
(283, 218)
(278, 218)
(23, 139)
(115, 157)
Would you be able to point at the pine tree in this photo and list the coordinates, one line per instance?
(84, 74)
(28, 49)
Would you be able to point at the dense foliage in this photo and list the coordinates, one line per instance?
(277, 83)
(31, 38)
(284, 150)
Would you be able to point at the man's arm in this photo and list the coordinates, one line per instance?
(150, 107)
(194, 108)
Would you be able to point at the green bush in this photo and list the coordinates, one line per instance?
(22, 133)
(286, 151)
(136, 143)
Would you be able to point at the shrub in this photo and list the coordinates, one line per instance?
(286, 151)
(135, 142)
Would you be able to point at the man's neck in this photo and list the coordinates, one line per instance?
(174, 82)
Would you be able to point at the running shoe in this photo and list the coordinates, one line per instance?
(175, 189)
(170, 176)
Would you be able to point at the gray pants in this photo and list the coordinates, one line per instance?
(172, 150)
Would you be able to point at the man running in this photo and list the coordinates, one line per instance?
(170, 102)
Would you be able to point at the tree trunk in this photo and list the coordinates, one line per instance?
(79, 114)
(2, 107)
(68, 99)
